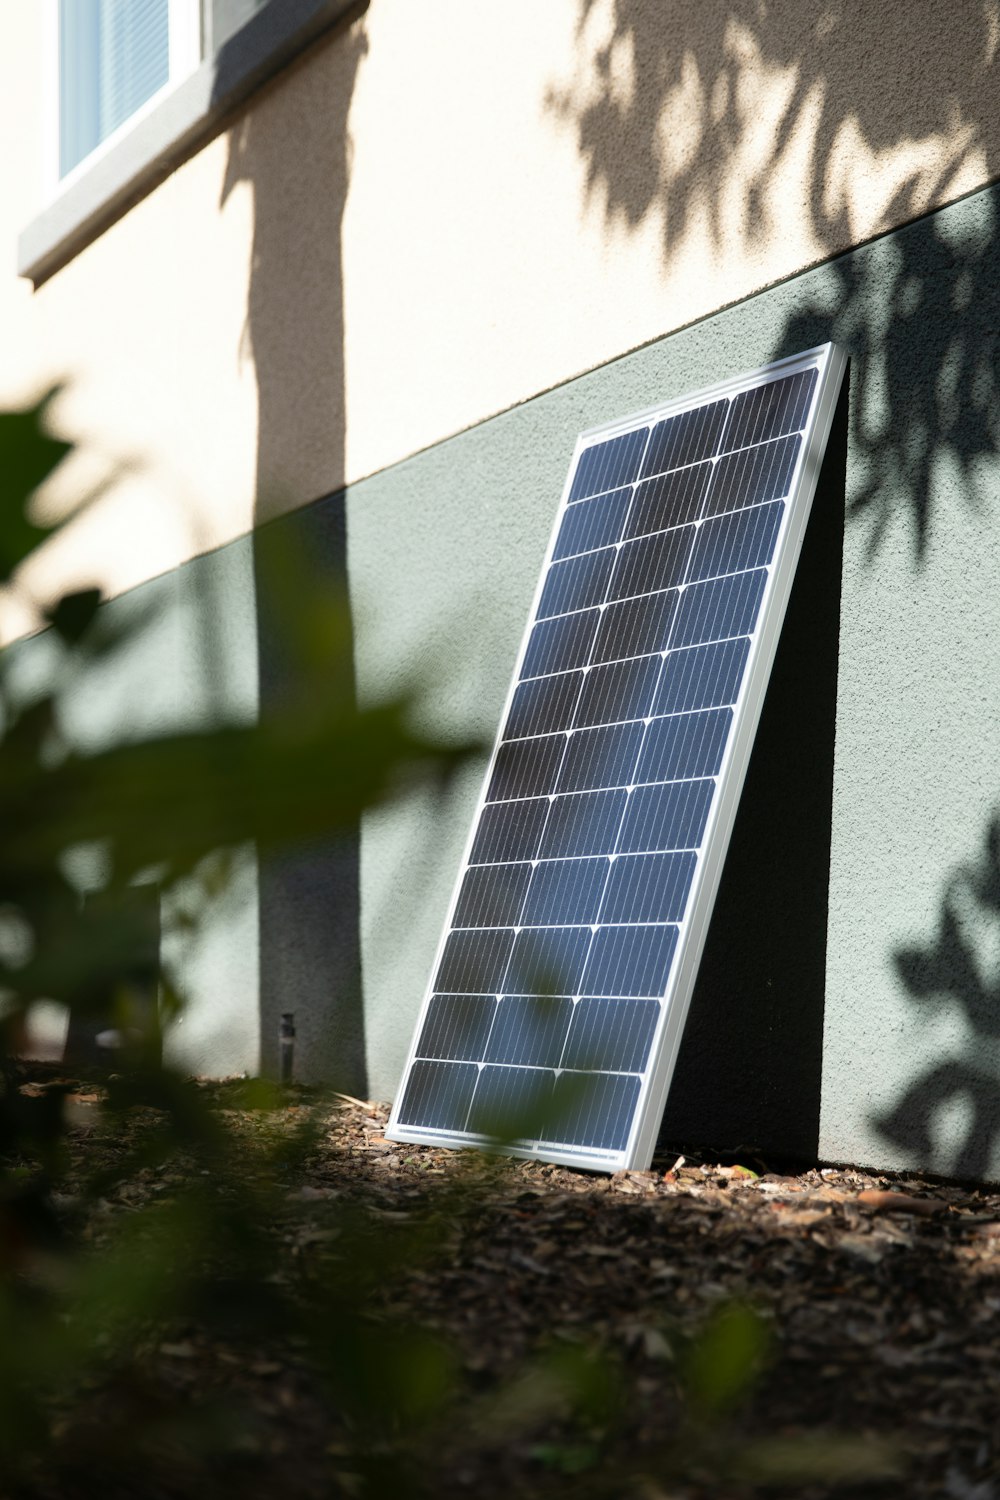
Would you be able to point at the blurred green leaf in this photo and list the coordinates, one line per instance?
(174, 799)
(566, 1458)
(722, 1362)
(28, 454)
(73, 615)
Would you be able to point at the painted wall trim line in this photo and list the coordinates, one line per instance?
(180, 125)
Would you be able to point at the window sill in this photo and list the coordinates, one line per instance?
(179, 125)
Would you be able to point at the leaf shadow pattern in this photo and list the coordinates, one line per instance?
(954, 971)
(732, 128)
(931, 352)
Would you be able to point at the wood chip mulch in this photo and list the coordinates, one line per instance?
(880, 1298)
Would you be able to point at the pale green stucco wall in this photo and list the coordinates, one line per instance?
(442, 556)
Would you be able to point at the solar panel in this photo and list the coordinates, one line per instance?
(559, 992)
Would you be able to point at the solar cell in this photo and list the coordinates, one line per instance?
(530, 1030)
(577, 583)
(543, 704)
(590, 524)
(669, 500)
(601, 757)
(458, 1026)
(560, 989)
(492, 895)
(526, 768)
(636, 626)
(561, 644)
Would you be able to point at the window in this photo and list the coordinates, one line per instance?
(136, 86)
(114, 56)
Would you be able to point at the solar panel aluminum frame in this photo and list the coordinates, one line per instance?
(830, 362)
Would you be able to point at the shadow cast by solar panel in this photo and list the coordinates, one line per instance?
(920, 324)
(749, 1072)
(955, 976)
(308, 899)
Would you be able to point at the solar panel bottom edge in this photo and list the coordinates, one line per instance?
(585, 1157)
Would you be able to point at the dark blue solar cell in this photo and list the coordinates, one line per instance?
(684, 746)
(492, 896)
(543, 704)
(669, 500)
(686, 438)
(752, 476)
(623, 690)
(561, 644)
(635, 626)
(526, 768)
(724, 607)
(585, 823)
(438, 1095)
(592, 1109)
(733, 543)
(667, 817)
(592, 523)
(578, 583)
(611, 1035)
(511, 1104)
(530, 1030)
(769, 411)
(702, 677)
(630, 961)
(652, 563)
(457, 1026)
(648, 888)
(509, 831)
(547, 961)
(605, 466)
(600, 757)
(474, 961)
(565, 891)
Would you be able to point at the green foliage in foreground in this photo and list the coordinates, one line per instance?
(77, 1312)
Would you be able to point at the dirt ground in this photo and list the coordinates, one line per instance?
(877, 1307)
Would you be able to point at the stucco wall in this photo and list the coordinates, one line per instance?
(854, 1016)
(444, 210)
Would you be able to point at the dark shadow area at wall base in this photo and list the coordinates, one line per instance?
(309, 898)
(749, 1073)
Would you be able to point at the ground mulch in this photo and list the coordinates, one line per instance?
(879, 1296)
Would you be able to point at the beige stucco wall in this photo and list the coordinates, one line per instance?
(444, 211)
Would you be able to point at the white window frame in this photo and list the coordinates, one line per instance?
(185, 32)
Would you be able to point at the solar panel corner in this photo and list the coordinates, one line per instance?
(561, 985)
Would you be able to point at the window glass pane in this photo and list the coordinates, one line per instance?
(113, 56)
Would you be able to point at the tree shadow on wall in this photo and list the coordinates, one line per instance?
(293, 150)
(741, 127)
(920, 317)
(957, 971)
